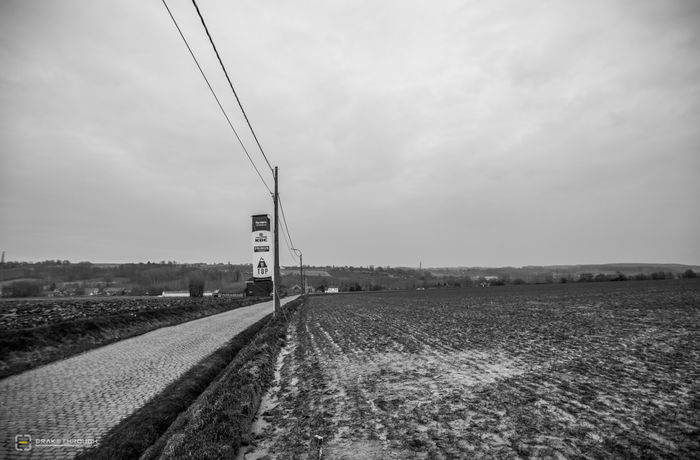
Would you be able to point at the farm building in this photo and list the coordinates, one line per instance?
(229, 293)
(187, 294)
(332, 290)
(115, 291)
(175, 294)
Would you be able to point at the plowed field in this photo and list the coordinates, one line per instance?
(603, 370)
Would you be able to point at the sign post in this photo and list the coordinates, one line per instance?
(266, 266)
(262, 249)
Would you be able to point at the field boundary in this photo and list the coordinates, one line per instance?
(218, 423)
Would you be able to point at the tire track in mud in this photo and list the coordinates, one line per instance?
(343, 369)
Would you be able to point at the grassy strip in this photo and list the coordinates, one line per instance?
(25, 349)
(218, 423)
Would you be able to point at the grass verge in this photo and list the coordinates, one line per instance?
(218, 423)
(24, 349)
(150, 430)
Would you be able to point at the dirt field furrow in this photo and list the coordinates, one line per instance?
(535, 372)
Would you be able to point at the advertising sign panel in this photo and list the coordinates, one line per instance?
(262, 248)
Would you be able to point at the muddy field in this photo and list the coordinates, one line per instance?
(22, 314)
(603, 370)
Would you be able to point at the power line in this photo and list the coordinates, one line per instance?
(215, 97)
(284, 220)
(289, 248)
(286, 234)
(211, 40)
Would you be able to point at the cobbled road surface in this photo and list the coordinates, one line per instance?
(83, 397)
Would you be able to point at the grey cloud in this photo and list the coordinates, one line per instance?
(541, 133)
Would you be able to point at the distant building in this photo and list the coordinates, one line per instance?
(176, 294)
(332, 290)
(259, 288)
(488, 278)
(114, 291)
(229, 293)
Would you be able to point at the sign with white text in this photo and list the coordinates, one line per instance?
(262, 248)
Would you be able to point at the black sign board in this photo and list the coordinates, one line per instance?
(261, 222)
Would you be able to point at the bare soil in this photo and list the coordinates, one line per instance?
(595, 371)
(25, 314)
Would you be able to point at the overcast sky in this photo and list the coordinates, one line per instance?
(456, 133)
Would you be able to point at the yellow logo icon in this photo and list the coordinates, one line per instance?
(23, 442)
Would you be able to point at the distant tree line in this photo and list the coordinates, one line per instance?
(23, 289)
(61, 277)
(658, 275)
(426, 280)
(152, 278)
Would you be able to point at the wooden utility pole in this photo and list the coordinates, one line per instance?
(276, 269)
(301, 273)
(301, 269)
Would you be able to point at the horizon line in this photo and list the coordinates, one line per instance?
(368, 265)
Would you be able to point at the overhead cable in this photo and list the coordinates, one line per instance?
(211, 40)
(284, 220)
(285, 234)
(289, 248)
(217, 99)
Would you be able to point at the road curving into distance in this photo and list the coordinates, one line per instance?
(78, 400)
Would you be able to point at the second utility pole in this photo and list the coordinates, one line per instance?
(276, 269)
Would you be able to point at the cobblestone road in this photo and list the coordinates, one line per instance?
(83, 397)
